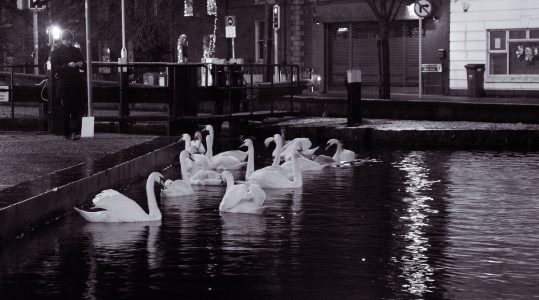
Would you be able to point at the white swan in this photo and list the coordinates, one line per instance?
(304, 145)
(240, 155)
(220, 162)
(119, 208)
(341, 155)
(180, 187)
(199, 161)
(269, 178)
(304, 163)
(197, 142)
(241, 198)
(206, 177)
(277, 139)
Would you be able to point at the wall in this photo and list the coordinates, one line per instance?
(468, 38)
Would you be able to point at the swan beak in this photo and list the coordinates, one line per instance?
(268, 141)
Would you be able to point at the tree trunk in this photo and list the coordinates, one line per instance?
(383, 56)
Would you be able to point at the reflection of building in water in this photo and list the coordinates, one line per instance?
(415, 263)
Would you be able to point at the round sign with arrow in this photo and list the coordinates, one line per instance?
(423, 8)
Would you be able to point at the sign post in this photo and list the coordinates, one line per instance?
(230, 31)
(423, 9)
(276, 20)
(87, 128)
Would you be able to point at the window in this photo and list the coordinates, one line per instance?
(188, 8)
(259, 41)
(211, 7)
(513, 52)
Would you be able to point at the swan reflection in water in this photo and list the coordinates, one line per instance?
(110, 241)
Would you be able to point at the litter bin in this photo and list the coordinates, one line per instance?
(475, 75)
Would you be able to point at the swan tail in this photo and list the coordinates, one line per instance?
(92, 216)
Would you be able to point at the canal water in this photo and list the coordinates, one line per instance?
(398, 225)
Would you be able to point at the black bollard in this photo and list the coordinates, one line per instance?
(353, 86)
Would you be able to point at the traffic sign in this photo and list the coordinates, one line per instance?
(230, 26)
(423, 8)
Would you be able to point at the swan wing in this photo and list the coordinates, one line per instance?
(270, 179)
(226, 163)
(309, 152)
(305, 164)
(238, 154)
(119, 207)
(206, 177)
(324, 160)
(101, 216)
(348, 155)
(176, 188)
(257, 194)
(233, 196)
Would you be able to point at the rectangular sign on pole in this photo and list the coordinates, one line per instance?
(427, 68)
(230, 27)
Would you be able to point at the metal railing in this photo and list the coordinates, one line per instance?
(11, 75)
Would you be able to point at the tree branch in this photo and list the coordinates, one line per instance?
(396, 11)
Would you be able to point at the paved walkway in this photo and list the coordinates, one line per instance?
(28, 155)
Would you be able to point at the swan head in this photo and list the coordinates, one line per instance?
(247, 143)
(186, 155)
(268, 141)
(198, 135)
(208, 128)
(277, 137)
(186, 138)
(333, 142)
(157, 177)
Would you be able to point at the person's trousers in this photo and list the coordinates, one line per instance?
(70, 93)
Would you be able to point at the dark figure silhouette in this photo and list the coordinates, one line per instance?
(66, 61)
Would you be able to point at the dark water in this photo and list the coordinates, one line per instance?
(413, 225)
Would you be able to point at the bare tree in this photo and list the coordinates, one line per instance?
(385, 12)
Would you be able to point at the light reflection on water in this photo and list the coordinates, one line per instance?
(407, 225)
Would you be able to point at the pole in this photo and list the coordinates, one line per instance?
(88, 56)
(123, 53)
(36, 44)
(233, 50)
(276, 53)
(420, 57)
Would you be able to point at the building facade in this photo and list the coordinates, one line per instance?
(503, 35)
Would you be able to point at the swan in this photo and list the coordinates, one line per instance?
(220, 162)
(341, 155)
(199, 161)
(277, 139)
(241, 198)
(304, 144)
(197, 143)
(180, 187)
(269, 178)
(119, 208)
(240, 155)
(206, 177)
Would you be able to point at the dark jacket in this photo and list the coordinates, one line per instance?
(60, 57)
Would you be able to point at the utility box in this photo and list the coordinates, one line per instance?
(475, 74)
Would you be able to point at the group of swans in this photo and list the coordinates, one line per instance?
(199, 168)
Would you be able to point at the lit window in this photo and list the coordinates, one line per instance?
(513, 52)
(188, 8)
(212, 7)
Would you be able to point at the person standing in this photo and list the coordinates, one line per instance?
(66, 63)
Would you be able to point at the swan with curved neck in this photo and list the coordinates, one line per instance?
(220, 161)
(199, 161)
(241, 198)
(341, 154)
(267, 178)
(118, 208)
(277, 139)
(303, 143)
(180, 187)
(238, 154)
(197, 143)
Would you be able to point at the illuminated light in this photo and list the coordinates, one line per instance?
(56, 32)
(342, 29)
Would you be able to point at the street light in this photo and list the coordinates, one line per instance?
(55, 32)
